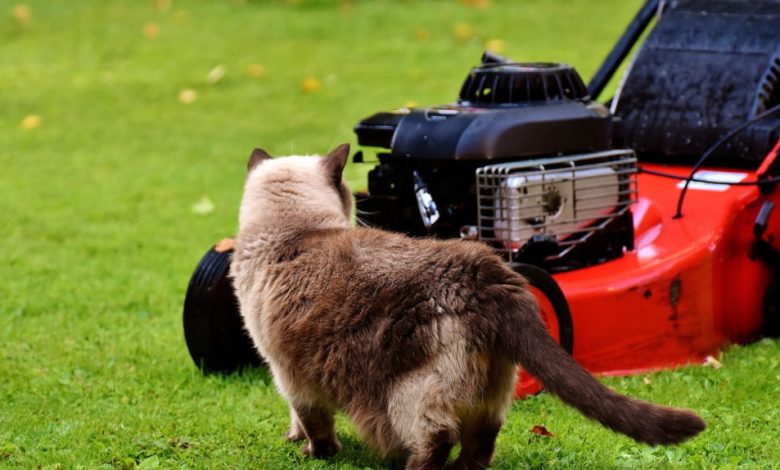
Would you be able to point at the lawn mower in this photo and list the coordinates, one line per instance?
(645, 225)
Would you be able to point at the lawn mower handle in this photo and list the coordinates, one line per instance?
(623, 47)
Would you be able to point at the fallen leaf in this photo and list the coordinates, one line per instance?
(422, 34)
(31, 122)
(180, 16)
(226, 244)
(255, 70)
(311, 85)
(711, 361)
(151, 30)
(646, 380)
(541, 431)
(495, 45)
(345, 7)
(476, 3)
(215, 74)
(204, 206)
(162, 5)
(22, 14)
(462, 31)
(188, 96)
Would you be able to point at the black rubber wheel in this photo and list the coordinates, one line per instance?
(213, 327)
(541, 280)
(771, 326)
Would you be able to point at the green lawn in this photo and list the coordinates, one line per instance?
(103, 175)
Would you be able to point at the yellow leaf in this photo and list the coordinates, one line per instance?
(311, 85)
(31, 122)
(255, 70)
(476, 3)
(22, 14)
(422, 34)
(495, 45)
(188, 96)
(151, 30)
(462, 31)
(162, 5)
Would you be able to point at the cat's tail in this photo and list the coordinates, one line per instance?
(531, 346)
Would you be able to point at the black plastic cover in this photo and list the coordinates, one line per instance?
(488, 134)
(505, 110)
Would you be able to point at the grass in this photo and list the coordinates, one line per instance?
(100, 227)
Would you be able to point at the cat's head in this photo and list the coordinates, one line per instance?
(296, 191)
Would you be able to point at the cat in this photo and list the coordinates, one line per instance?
(416, 340)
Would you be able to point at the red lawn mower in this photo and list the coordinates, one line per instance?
(645, 225)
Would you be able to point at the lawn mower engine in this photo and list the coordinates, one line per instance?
(525, 161)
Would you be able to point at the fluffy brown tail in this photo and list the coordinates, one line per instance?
(531, 346)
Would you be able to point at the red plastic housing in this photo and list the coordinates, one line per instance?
(689, 287)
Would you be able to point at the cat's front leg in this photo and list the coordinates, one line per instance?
(295, 433)
(317, 424)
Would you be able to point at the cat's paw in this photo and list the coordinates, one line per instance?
(295, 435)
(321, 449)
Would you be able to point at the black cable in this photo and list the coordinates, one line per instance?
(776, 179)
(715, 147)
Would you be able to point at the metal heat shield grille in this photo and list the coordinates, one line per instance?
(565, 198)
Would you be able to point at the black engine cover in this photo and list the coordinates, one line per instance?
(505, 111)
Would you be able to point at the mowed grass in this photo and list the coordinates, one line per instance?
(100, 225)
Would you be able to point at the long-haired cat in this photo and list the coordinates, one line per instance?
(416, 340)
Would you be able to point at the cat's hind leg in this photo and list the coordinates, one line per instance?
(484, 421)
(478, 441)
(433, 451)
(317, 424)
(422, 413)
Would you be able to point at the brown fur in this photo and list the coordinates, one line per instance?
(415, 340)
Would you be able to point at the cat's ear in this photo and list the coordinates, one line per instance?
(258, 156)
(335, 162)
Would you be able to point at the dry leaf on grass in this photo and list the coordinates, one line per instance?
(541, 431)
(711, 361)
(203, 207)
(226, 244)
(462, 31)
(495, 45)
(311, 85)
(422, 34)
(22, 14)
(255, 70)
(476, 3)
(151, 30)
(162, 5)
(215, 74)
(188, 96)
(31, 122)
